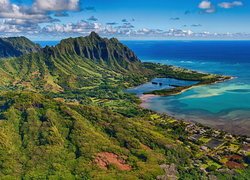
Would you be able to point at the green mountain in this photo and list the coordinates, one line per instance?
(102, 50)
(64, 115)
(74, 63)
(16, 46)
(83, 62)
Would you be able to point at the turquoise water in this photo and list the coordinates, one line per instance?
(225, 105)
(216, 98)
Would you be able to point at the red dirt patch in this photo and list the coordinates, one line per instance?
(234, 157)
(234, 165)
(104, 159)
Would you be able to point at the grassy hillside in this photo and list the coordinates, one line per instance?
(66, 138)
(73, 64)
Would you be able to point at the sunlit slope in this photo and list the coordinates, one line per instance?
(41, 137)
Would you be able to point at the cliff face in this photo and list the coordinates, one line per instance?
(73, 63)
(96, 48)
(16, 46)
(109, 51)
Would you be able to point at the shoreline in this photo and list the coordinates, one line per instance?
(144, 98)
(218, 125)
(181, 89)
(198, 85)
(234, 128)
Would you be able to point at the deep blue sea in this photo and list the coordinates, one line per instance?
(224, 105)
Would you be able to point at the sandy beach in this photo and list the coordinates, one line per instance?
(145, 98)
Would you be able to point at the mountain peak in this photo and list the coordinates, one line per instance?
(93, 34)
(98, 49)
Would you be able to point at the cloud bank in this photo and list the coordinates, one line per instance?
(42, 18)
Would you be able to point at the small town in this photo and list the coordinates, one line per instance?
(217, 150)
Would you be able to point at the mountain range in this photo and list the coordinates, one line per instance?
(73, 63)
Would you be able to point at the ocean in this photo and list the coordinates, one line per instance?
(223, 105)
(47, 43)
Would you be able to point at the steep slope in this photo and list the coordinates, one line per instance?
(16, 46)
(102, 50)
(74, 63)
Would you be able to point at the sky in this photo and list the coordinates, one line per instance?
(126, 19)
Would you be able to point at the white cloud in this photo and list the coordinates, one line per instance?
(16, 12)
(205, 5)
(7, 26)
(56, 5)
(81, 27)
(12, 11)
(19, 18)
(25, 20)
(228, 5)
(38, 12)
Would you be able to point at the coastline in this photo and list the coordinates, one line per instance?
(144, 98)
(181, 89)
(197, 85)
(217, 124)
(238, 128)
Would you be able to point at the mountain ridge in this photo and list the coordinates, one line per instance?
(99, 49)
(73, 63)
(17, 46)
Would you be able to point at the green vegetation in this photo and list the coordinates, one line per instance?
(16, 46)
(64, 115)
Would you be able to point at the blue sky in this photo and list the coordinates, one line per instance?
(126, 19)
